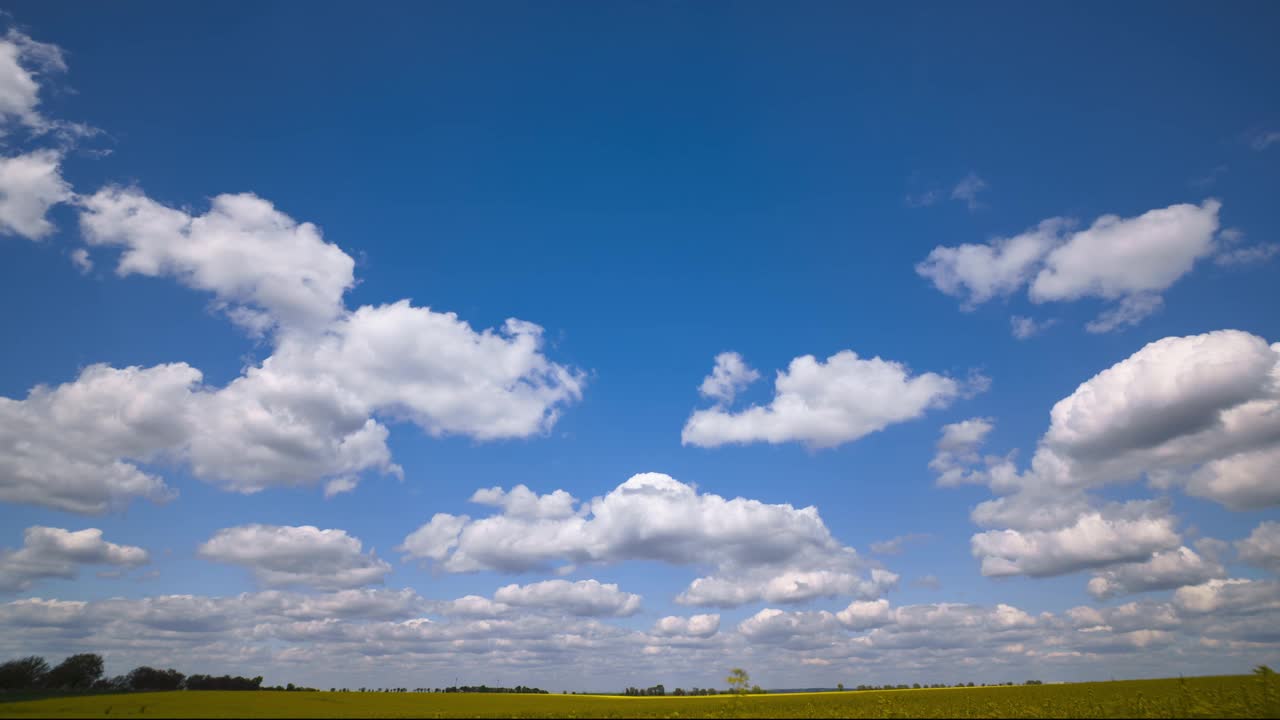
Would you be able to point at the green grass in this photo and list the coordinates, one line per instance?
(1226, 696)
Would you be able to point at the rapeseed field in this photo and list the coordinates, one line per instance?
(1241, 696)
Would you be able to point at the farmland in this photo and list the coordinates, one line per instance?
(1222, 696)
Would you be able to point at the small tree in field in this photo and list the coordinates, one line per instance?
(739, 681)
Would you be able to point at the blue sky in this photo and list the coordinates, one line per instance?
(653, 185)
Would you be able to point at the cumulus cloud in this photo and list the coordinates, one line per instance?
(30, 184)
(825, 404)
(262, 266)
(729, 376)
(757, 550)
(1165, 570)
(1130, 532)
(49, 552)
(1228, 596)
(865, 615)
(307, 414)
(76, 447)
(1262, 547)
(584, 598)
(1128, 260)
(303, 555)
(700, 626)
(1200, 411)
(790, 586)
(977, 273)
(958, 461)
(1118, 257)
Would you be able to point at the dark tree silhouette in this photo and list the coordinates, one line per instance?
(23, 674)
(149, 678)
(78, 672)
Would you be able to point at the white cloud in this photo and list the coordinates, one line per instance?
(958, 460)
(1164, 571)
(1131, 310)
(306, 414)
(22, 60)
(80, 258)
(788, 586)
(1131, 532)
(339, 485)
(1249, 255)
(1201, 411)
(730, 375)
(262, 266)
(1116, 257)
(49, 552)
(1129, 260)
(1024, 327)
(73, 447)
(978, 273)
(825, 404)
(698, 626)
(967, 190)
(585, 598)
(757, 550)
(865, 615)
(777, 627)
(30, 184)
(1228, 596)
(1262, 547)
(522, 502)
(304, 555)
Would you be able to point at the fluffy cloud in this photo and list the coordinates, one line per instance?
(758, 551)
(49, 552)
(1119, 257)
(585, 598)
(1228, 596)
(797, 629)
(262, 266)
(1201, 412)
(824, 404)
(1123, 533)
(978, 273)
(1177, 403)
(790, 586)
(309, 412)
(957, 458)
(1262, 547)
(865, 615)
(305, 555)
(729, 376)
(30, 184)
(22, 60)
(1165, 570)
(74, 447)
(700, 626)
(1129, 260)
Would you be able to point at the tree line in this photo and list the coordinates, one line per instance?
(85, 672)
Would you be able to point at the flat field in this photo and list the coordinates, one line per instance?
(1224, 696)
